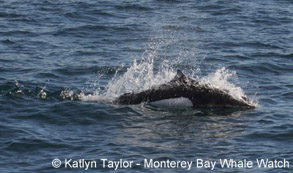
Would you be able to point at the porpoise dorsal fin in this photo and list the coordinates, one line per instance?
(179, 77)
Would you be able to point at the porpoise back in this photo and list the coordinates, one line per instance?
(182, 86)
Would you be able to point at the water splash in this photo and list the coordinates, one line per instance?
(220, 79)
(42, 94)
(143, 75)
(140, 76)
(67, 94)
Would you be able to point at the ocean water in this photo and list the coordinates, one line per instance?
(63, 62)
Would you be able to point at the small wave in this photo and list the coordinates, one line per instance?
(78, 29)
(3, 69)
(170, 1)
(133, 7)
(256, 68)
(227, 11)
(260, 44)
(268, 135)
(211, 7)
(89, 15)
(27, 145)
(18, 32)
(83, 30)
(9, 15)
(85, 70)
(252, 44)
(47, 75)
(7, 41)
(102, 13)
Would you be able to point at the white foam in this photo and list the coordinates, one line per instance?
(141, 76)
(220, 80)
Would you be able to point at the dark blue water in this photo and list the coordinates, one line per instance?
(52, 47)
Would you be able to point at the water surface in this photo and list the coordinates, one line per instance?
(52, 51)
